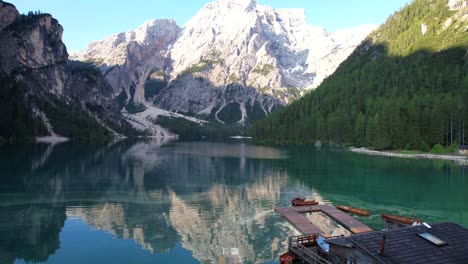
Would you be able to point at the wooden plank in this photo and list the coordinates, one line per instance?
(299, 221)
(307, 209)
(347, 221)
(294, 216)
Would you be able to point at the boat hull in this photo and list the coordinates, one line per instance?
(353, 210)
(401, 219)
(302, 202)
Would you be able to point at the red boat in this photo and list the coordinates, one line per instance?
(353, 210)
(401, 219)
(302, 202)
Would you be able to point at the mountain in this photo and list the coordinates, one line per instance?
(404, 87)
(234, 62)
(41, 92)
(127, 59)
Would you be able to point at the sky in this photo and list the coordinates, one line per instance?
(85, 21)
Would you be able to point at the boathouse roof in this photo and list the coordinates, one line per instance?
(405, 245)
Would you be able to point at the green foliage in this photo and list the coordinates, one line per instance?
(231, 113)
(156, 73)
(188, 130)
(438, 149)
(452, 148)
(233, 78)
(264, 70)
(134, 108)
(86, 67)
(72, 122)
(95, 61)
(153, 87)
(122, 99)
(214, 57)
(402, 34)
(19, 124)
(211, 59)
(27, 20)
(264, 89)
(195, 68)
(17, 120)
(424, 147)
(293, 92)
(35, 13)
(400, 89)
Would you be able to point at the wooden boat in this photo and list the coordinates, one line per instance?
(401, 219)
(353, 210)
(302, 202)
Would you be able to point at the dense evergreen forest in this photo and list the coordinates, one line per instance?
(188, 130)
(404, 87)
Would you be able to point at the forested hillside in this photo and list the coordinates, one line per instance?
(404, 87)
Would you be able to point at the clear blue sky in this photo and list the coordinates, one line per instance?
(88, 20)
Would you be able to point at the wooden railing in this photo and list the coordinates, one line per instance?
(301, 246)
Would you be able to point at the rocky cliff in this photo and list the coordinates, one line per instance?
(234, 62)
(8, 14)
(127, 59)
(33, 51)
(41, 92)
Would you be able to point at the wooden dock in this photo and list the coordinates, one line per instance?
(299, 221)
(295, 217)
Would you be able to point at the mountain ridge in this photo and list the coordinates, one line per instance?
(41, 93)
(227, 51)
(404, 87)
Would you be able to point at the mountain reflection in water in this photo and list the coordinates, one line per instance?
(197, 201)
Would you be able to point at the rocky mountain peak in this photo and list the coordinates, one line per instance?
(113, 50)
(8, 14)
(244, 5)
(27, 46)
(457, 4)
(52, 94)
(152, 29)
(128, 58)
(234, 58)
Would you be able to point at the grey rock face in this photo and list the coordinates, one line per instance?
(95, 95)
(33, 51)
(33, 54)
(272, 54)
(8, 14)
(231, 104)
(126, 59)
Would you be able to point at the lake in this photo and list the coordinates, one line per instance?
(198, 202)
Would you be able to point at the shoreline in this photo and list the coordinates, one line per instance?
(458, 158)
(54, 139)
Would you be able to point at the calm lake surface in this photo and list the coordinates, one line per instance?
(175, 202)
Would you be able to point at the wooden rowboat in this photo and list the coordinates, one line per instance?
(353, 210)
(302, 202)
(401, 219)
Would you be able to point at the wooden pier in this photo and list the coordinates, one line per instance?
(299, 221)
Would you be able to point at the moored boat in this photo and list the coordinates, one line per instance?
(302, 202)
(353, 210)
(403, 220)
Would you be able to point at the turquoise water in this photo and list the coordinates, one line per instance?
(176, 202)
